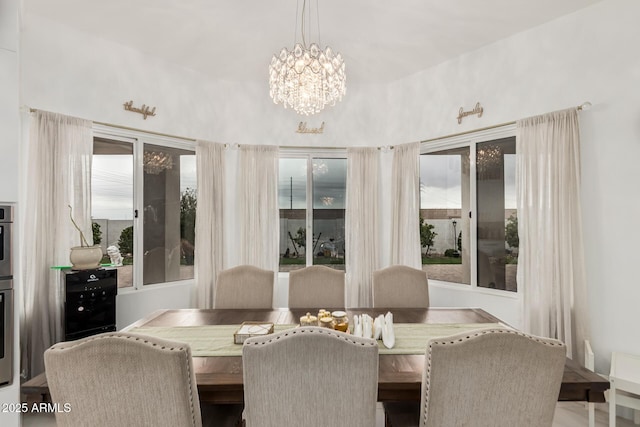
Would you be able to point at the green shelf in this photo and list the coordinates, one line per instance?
(68, 267)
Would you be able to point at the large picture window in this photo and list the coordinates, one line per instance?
(143, 206)
(468, 217)
(312, 192)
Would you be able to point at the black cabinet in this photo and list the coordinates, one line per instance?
(89, 302)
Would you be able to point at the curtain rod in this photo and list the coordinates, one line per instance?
(33, 110)
(582, 107)
(468, 132)
(309, 147)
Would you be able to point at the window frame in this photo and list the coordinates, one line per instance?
(138, 139)
(471, 139)
(309, 154)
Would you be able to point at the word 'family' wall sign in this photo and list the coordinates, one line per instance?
(476, 110)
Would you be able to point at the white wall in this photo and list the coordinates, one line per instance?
(80, 75)
(506, 306)
(9, 161)
(588, 55)
(9, 112)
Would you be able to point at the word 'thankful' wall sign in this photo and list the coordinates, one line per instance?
(476, 110)
(145, 110)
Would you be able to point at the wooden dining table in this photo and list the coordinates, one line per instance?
(219, 378)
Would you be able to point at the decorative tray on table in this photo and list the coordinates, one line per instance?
(252, 329)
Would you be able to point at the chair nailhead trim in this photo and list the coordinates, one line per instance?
(326, 331)
(468, 337)
(501, 331)
(72, 344)
(65, 346)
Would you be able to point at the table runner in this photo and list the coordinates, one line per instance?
(217, 340)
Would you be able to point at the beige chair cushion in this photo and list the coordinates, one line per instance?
(310, 376)
(244, 286)
(316, 286)
(488, 378)
(400, 286)
(123, 379)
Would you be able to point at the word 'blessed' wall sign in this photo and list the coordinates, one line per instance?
(302, 128)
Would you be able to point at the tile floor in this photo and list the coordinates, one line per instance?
(568, 414)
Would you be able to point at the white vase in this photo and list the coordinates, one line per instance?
(85, 257)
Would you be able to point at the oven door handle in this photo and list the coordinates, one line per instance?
(5, 249)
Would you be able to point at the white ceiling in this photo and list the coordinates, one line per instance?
(235, 39)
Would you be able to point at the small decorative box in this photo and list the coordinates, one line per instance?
(252, 329)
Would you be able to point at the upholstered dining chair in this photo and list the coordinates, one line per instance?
(122, 379)
(486, 378)
(400, 286)
(316, 286)
(310, 376)
(244, 286)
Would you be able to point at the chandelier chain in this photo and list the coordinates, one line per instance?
(304, 6)
(295, 29)
(318, 23)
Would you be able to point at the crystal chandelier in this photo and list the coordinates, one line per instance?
(307, 78)
(490, 161)
(156, 162)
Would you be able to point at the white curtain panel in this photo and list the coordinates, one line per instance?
(361, 224)
(209, 245)
(60, 150)
(551, 270)
(405, 198)
(258, 213)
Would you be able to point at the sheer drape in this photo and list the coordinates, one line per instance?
(405, 197)
(58, 174)
(258, 214)
(551, 268)
(361, 224)
(209, 245)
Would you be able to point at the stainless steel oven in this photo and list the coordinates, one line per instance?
(6, 333)
(6, 295)
(6, 222)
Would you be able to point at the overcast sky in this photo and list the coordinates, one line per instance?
(440, 181)
(329, 178)
(112, 184)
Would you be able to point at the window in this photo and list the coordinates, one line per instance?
(146, 212)
(315, 221)
(169, 214)
(497, 223)
(444, 215)
(292, 201)
(468, 217)
(112, 204)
